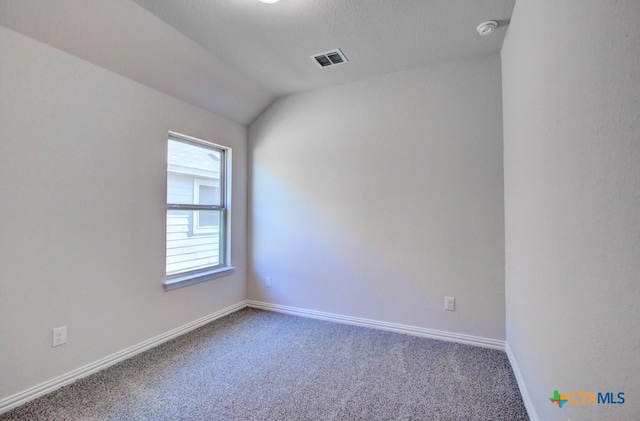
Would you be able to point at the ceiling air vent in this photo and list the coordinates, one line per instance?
(329, 58)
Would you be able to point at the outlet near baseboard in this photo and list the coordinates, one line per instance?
(59, 336)
(449, 303)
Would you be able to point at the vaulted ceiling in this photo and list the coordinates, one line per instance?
(234, 57)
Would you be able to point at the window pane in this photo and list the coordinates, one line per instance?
(207, 194)
(193, 240)
(207, 219)
(193, 174)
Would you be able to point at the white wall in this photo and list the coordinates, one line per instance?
(378, 198)
(82, 213)
(571, 88)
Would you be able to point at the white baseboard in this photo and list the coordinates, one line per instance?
(20, 398)
(528, 403)
(393, 327)
(41, 389)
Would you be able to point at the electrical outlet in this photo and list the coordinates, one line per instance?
(449, 303)
(267, 282)
(59, 336)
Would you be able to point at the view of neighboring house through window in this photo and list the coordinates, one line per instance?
(205, 192)
(196, 209)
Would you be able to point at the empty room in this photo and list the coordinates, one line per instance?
(320, 210)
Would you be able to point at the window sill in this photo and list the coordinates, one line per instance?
(187, 280)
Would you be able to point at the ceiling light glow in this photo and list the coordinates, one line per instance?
(268, 1)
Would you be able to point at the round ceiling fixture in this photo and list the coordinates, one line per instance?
(485, 28)
(268, 1)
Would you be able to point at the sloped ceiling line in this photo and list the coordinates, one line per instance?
(234, 57)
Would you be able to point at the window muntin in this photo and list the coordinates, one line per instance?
(197, 211)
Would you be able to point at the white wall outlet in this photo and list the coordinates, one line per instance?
(59, 336)
(449, 303)
(267, 282)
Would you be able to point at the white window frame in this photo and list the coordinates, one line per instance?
(182, 279)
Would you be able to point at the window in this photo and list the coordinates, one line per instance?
(197, 211)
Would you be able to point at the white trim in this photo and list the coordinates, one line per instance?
(41, 389)
(20, 398)
(186, 280)
(526, 398)
(180, 136)
(228, 205)
(376, 324)
(224, 235)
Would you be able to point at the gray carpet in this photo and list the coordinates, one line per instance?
(258, 365)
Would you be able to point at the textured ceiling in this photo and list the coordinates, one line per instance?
(234, 57)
